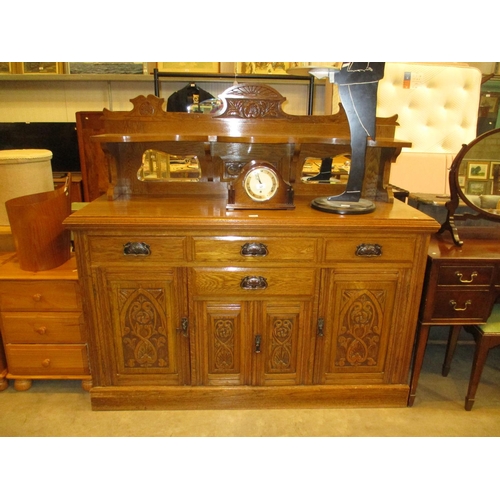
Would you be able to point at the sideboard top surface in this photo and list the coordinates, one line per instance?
(209, 212)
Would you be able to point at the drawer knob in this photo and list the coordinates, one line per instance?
(135, 248)
(368, 250)
(254, 250)
(460, 277)
(37, 297)
(453, 303)
(253, 283)
(42, 330)
(46, 363)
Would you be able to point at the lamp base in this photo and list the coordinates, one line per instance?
(361, 206)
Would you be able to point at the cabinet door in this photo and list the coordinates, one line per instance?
(146, 315)
(252, 342)
(357, 314)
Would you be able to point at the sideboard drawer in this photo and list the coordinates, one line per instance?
(40, 360)
(237, 281)
(39, 296)
(137, 248)
(465, 275)
(241, 249)
(41, 328)
(370, 248)
(462, 305)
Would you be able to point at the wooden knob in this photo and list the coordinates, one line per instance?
(37, 297)
(46, 363)
(42, 330)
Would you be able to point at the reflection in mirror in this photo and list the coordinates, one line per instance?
(158, 166)
(326, 170)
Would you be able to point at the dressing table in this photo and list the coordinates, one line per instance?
(462, 280)
(201, 290)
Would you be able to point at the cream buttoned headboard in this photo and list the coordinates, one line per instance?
(437, 107)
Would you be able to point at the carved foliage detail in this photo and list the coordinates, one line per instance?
(143, 324)
(253, 109)
(360, 325)
(223, 340)
(281, 344)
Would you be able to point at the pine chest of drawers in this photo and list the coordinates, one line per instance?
(41, 322)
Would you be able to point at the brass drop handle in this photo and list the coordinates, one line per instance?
(258, 340)
(455, 308)
(37, 297)
(254, 250)
(42, 330)
(46, 363)
(253, 283)
(472, 276)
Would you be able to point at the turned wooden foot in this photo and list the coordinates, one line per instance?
(4, 383)
(86, 385)
(22, 384)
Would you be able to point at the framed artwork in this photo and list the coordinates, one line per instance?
(262, 68)
(106, 68)
(494, 169)
(5, 67)
(478, 170)
(40, 68)
(188, 67)
(478, 187)
(461, 181)
(490, 102)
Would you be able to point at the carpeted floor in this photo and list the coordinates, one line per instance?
(61, 408)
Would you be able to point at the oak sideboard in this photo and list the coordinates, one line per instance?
(191, 305)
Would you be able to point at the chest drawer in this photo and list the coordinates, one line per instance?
(38, 328)
(39, 296)
(47, 360)
(238, 249)
(254, 281)
(371, 248)
(465, 275)
(461, 305)
(137, 248)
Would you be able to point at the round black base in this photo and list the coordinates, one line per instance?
(343, 207)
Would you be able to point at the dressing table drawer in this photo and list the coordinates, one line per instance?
(468, 276)
(462, 305)
(242, 249)
(137, 248)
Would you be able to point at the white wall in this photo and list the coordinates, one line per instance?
(59, 100)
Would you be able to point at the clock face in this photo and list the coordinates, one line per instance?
(261, 183)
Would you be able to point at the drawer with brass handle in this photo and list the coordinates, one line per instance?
(264, 249)
(253, 280)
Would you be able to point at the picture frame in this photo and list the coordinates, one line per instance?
(461, 181)
(494, 169)
(188, 67)
(106, 68)
(40, 68)
(478, 170)
(478, 187)
(5, 68)
(490, 102)
(262, 68)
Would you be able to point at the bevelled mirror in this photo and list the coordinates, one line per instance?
(475, 183)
